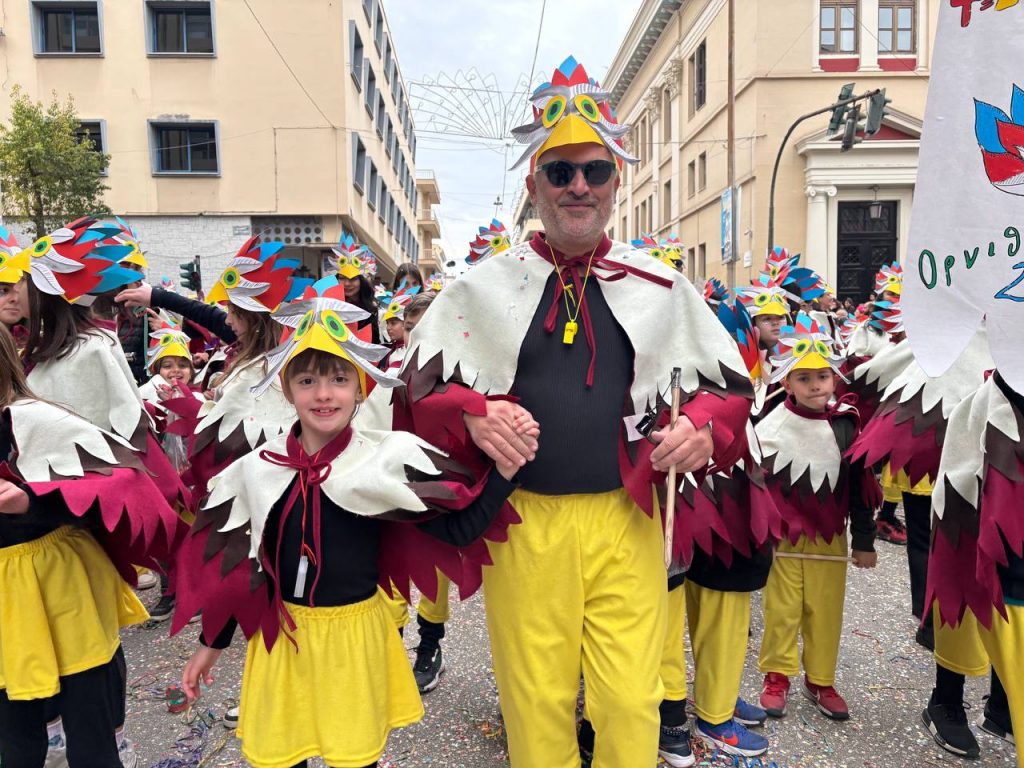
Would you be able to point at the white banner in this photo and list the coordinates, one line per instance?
(965, 260)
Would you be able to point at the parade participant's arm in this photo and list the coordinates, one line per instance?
(495, 433)
(463, 527)
(14, 500)
(199, 671)
(212, 318)
(712, 430)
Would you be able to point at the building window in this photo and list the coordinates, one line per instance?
(389, 137)
(702, 260)
(370, 91)
(356, 54)
(185, 148)
(373, 188)
(68, 28)
(358, 163)
(650, 213)
(691, 178)
(896, 25)
(382, 208)
(838, 26)
(698, 69)
(666, 202)
(691, 262)
(91, 131)
(702, 171)
(181, 28)
(625, 229)
(387, 59)
(381, 115)
(378, 29)
(368, 10)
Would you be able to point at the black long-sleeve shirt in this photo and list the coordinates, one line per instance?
(212, 318)
(350, 545)
(581, 426)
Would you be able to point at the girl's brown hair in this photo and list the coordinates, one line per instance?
(315, 361)
(54, 326)
(260, 338)
(13, 384)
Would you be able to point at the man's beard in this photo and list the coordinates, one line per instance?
(564, 227)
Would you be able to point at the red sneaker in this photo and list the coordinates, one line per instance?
(827, 700)
(774, 693)
(893, 532)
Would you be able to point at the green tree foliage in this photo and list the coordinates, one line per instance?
(47, 174)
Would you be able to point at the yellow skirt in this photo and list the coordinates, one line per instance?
(338, 696)
(894, 486)
(62, 606)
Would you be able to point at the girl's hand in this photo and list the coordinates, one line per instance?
(864, 559)
(165, 391)
(198, 671)
(13, 499)
(135, 297)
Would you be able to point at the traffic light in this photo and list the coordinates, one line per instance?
(190, 277)
(840, 112)
(876, 112)
(854, 129)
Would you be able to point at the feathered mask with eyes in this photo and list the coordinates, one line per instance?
(78, 261)
(395, 304)
(323, 320)
(259, 278)
(804, 346)
(571, 109)
(668, 250)
(9, 248)
(353, 259)
(889, 278)
(489, 241)
(128, 237)
(167, 341)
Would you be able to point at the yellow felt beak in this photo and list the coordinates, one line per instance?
(774, 307)
(571, 129)
(896, 288)
(812, 361)
(218, 294)
(174, 349)
(393, 311)
(317, 337)
(9, 274)
(22, 261)
(348, 271)
(136, 258)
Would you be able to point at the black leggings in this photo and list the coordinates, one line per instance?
(91, 705)
(918, 513)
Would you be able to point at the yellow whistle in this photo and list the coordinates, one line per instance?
(569, 334)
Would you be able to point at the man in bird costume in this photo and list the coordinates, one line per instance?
(584, 333)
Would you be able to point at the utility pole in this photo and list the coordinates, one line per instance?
(731, 151)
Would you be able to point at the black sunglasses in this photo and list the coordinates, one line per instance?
(560, 173)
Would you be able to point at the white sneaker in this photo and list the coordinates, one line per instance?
(56, 753)
(231, 718)
(147, 580)
(126, 751)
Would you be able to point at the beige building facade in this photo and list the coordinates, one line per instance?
(669, 81)
(225, 119)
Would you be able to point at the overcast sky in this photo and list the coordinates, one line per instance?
(434, 40)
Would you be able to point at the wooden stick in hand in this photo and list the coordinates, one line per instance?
(672, 490)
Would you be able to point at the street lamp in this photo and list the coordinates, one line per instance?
(875, 209)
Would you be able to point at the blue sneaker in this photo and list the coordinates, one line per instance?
(732, 738)
(749, 714)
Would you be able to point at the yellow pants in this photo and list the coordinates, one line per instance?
(1005, 646)
(960, 649)
(804, 598)
(436, 613)
(719, 623)
(673, 656)
(579, 587)
(894, 486)
(395, 606)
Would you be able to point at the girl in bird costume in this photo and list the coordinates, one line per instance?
(71, 361)
(587, 343)
(292, 543)
(815, 492)
(254, 284)
(355, 265)
(78, 510)
(393, 318)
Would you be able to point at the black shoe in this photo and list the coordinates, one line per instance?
(428, 668)
(163, 610)
(948, 726)
(998, 724)
(674, 746)
(925, 637)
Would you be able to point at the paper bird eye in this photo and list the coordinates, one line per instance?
(334, 325)
(761, 300)
(495, 242)
(166, 339)
(657, 253)
(588, 107)
(41, 246)
(304, 325)
(553, 111)
(821, 348)
(801, 348)
(773, 271)
(393, 308)
(3, 260)
(230, 278)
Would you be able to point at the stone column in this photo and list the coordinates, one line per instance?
(816, 247)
